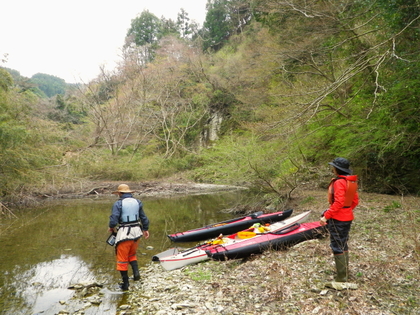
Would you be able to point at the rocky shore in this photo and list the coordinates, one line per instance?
(285, 282)
(258, 285)
(384, 263)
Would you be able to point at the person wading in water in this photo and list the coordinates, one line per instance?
(343, 198)
(127, 213)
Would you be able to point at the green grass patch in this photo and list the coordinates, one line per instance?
(199, 274)
(393, 206)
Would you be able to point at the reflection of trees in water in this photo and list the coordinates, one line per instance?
(60, 272)
(51, 248)
(46, 283)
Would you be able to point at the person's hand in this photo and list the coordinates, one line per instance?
(111, 230)
(323, 221)
(146, 234)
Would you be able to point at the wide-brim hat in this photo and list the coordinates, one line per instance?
(342, 164)
(124, 189)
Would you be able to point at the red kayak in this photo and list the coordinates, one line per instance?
(229, 227)
(281, 239)
(174, 258)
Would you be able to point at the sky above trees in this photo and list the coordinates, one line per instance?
(72, 39)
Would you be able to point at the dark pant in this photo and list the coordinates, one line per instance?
(339, 235)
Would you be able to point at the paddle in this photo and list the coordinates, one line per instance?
(286, 230)
(219, 241)
(176, 251)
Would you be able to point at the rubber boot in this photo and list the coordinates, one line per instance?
(341, 264)
(135, 267)
(347, 264)
(124, 286)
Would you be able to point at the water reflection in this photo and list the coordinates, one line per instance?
(42, 288)
(48, 282)
(47, 250)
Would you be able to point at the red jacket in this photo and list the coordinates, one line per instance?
(340, 189)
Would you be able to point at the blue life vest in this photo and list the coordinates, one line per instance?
(130, 210)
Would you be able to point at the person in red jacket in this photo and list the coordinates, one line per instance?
(343, 198)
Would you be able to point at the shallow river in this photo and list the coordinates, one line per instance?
(46, 250)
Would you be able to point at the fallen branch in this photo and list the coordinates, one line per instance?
(97, 190)
(6, 211)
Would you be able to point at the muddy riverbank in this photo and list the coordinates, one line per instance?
(156, 188)
(145, 189)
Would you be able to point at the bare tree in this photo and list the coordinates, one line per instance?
(142, 102)
(178, 108)
(328, 44)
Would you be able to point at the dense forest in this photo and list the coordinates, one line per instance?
(264, 93)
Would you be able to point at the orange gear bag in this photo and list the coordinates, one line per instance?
(350, 191)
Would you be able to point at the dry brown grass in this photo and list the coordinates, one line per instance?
(384, 263)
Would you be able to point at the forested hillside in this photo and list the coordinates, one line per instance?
(266, 92)
(43, 85)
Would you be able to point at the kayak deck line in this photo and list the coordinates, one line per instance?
(263, 242)
(174, 258)
(229, 226)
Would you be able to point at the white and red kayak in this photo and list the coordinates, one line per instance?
(229, 227)
(179, 259)
(174, 258)
(276, 240)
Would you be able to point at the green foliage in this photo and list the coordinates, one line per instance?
(399, 13)
(168, 27)
(98, 165)
(23, 156)
(224, 18)
(216, 24)
(67, 110)
(395, 205)
(291, 87)
(6, 80)
(27, 147)
(247, 159)
(183, 24)
(145, 29)
(396, 135)
(222, 101)
(199, 274)
(24, 84)
(49, 84)
(183, 163)
(372, 116)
